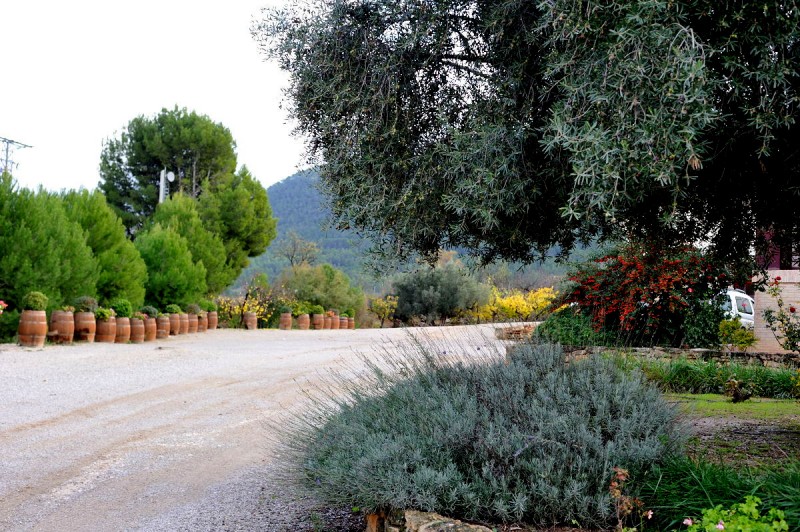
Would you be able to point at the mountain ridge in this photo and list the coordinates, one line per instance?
(299, 206)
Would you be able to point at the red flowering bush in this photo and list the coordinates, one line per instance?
(644, 292)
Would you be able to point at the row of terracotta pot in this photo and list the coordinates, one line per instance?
(83, 327)
(318, 321)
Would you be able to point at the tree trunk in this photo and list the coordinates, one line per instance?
(194, 178)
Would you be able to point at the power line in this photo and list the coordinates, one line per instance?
(8, 164)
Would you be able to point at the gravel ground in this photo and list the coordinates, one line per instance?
(251, 502)
(168, 435)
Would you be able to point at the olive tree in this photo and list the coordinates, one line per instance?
(512, 127)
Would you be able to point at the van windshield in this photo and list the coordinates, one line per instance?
(743, 305)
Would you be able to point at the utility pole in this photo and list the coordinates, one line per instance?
(8, 164)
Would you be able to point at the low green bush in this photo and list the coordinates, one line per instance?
(317, 309)
(701, 324)
(173, 309)
(102, 313)
(741, 517)
(690, 376)
(732, 333)
(683, 488)
(299, 308)
(473, 437)
(193, 308)
(208, 305)
(569, 326)
(152, 312)
(34, 301)
(85, 304)
(9, 325)
(122, 307)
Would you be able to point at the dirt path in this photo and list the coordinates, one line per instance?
(167, 435)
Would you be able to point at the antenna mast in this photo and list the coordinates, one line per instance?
(8, 164)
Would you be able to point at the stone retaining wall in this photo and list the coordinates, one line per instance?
(772, 360)
(414, 521)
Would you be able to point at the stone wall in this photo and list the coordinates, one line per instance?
(790, 287)
(414, 521)
(772, 360)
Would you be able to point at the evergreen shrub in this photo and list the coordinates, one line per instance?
(473, 437)
(34, 301)
(701, 324)
(122, 307)
(569, 326)
(437, 294)
(85, 304)
(150, 311)
(208, 305)
(173, 309)
(193, 308)
(102, 313)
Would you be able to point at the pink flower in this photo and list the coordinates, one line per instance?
(688, 521)
(690, 290)
(720, 525)
(649, 514)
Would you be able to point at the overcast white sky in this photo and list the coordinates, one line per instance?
(74, 73)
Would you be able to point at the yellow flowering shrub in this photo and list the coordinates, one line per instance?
(541, 300)
(513, 305)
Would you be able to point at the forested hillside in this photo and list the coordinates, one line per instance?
(298, 205)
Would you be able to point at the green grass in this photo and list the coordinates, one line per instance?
(699, 377)
(757, 408)
(684, 487)
(757, 433)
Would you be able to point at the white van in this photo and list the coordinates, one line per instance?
(738, 304)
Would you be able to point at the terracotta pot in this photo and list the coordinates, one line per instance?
(62, 326)
(32, 329)
(351, 323)
(286, 321)
(318, 321)
(250, 321)
(136, 335)
(85, 326)
(335, 322)
(123, 335)
(202, 322)
(213, 320)
(106, 330)
(192, 323)
(184, 329)
(163, 325)
(174, 324)
(151, 329)
(303, 322)
(326, 324)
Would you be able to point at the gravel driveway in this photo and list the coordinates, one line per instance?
(167, 435)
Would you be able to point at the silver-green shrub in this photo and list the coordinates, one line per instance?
(532, 440)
